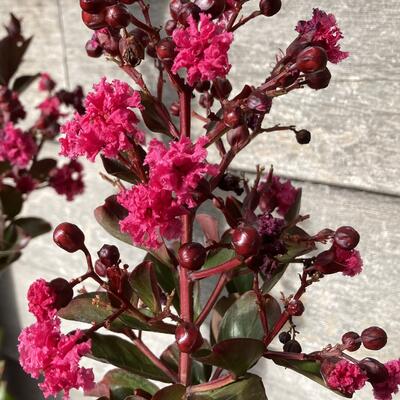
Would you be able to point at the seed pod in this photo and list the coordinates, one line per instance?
(131, 50)
(352, 341)
(94, 21)
(346, 237)
(326, 264)
(246, 241)
(93, 48)
(295, 308)
(221, 88)
(211, 7)
(117, 16)
(270, 7)
(232, 116)
(284, 337)
(92, 6)
(109, 41)
(192, 256)
(318, 80)
(311, 59)
(375, 370)
(292, 346)
(63, 292)
(303, 136)
(188, 337)
(166, 49)
(259, 102)
(374, 338)
(238, 137)
(109, 255)
(69, 237)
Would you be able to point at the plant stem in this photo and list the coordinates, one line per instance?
(224, 267)
(212, 385)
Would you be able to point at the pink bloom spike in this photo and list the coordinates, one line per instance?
(325, 33)
(386, 390)
(346, 377)
(109, 124)
(202, 49)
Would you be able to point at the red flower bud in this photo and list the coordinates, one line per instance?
(211, 7)
(292, 346)
(118, 16)
(303, 136)
(325, 263)
(109, 41)
(259, 102)
(69, 237)
(203, 86)
(63, 292)
(352, 341)
(93, 48)
(175, 7)
(232, 116)
(346, 237)
(221, 88)
(238, 137)
(246, 241)
(188, 337)
(108, 255)
(375, 370)
(295, 308)
(374, 338)
(192, 256)
(92, 6)
(319, 80)
(94, 21)
(170, 26)
(166, 49)
(188, 10)
(311, 59)
(270, 7)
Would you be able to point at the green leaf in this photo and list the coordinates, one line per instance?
(96, 307)
(11, 54)
(144, 282)
(121, 379)
(173, 392)
(23, 82)
(294, 210)
(217, 314)
(33, 226)
(41, 168)
(118, 170)
(310, 369)
(11, 201)
(249, 387)
(216, 258)
(151, 115)
(123, 354)
(200, 372)
(241, 283)
(4, 166)
(236, 355)
(242, 319)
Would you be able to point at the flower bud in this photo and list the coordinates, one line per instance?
(192, 256)
(232, 116)
(94, 21)
(188, 10)
(270, 7)
(93, 48)
(206, 100)
(109, 255)
(238, 137)
(246, 241)
(175, 7)
(221, 88)
(188, 337)
(311, 59)
(284, 337)
(92, 6)
(292, 346)
(303, 136)
(141, 36)
(109, 41)
(375, 370)
(318, 80)
(211, 7)
(69, 237)
(259, 102)
(352, 341)
(63, 292)
(346, 237)
(166, 49)
(374, 338)
(203, 86)
(117, 16)
(170, 26)
(295, 308)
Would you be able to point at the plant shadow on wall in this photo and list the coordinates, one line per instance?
(23, 168)
(159, 189)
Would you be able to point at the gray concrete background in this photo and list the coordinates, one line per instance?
(349, 172)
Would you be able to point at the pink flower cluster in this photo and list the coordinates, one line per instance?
(46, 83)
(68, 179)
(109, 124)
(346, 377)
(44, 350)
(16, 146)
(277, 194)
(202, 49)
(154, 207)
(385, 390)
(324, 32)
